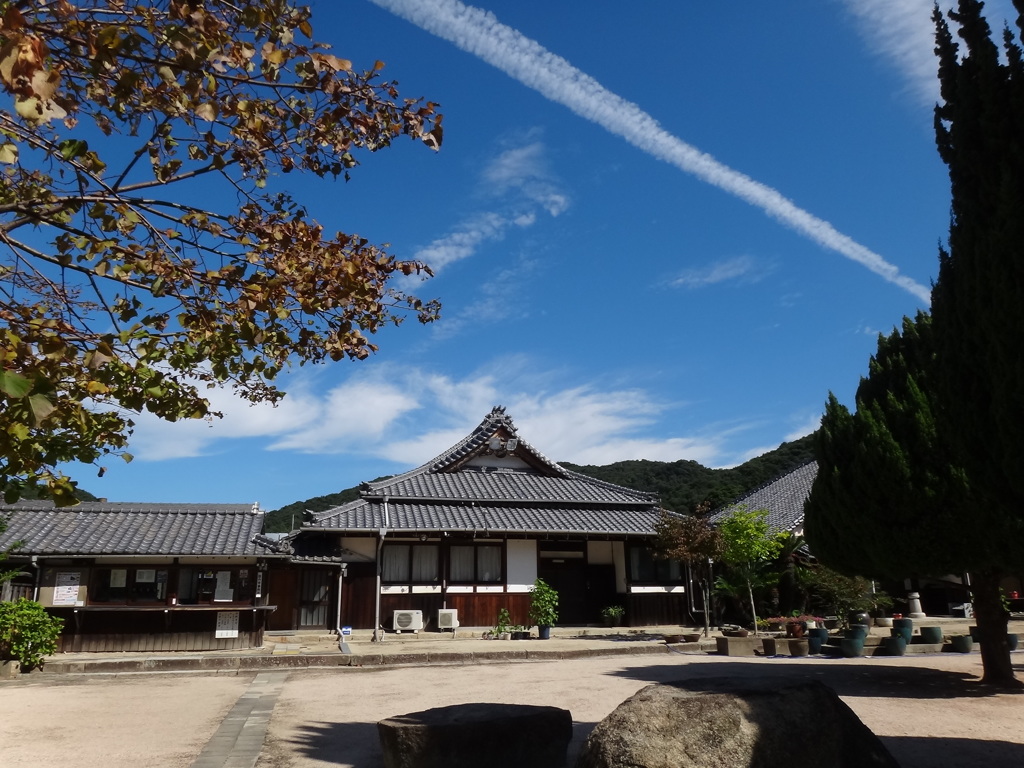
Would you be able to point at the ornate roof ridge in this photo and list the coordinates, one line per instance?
(467, 445)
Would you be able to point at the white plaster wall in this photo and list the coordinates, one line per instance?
(522, 565)
(364, 545)
(600, 553)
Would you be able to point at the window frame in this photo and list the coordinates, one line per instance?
(656, 564)
(477, 580)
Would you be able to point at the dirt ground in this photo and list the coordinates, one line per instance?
(927, 709)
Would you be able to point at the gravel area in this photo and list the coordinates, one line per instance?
(929, 710)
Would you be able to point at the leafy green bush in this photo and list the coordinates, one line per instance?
(543, 604)
(27, 632)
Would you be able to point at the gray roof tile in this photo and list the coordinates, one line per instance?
(536, 495)
(410, 517)
(119, 528)
(783, 497)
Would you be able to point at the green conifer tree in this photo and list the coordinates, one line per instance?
(924, 479)
(978, 300)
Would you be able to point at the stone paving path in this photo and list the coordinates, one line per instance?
(239, 739)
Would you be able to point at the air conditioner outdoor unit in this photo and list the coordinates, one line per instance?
(408, 620)
(447, 618)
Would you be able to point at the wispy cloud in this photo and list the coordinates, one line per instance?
(497, 301)
(808, 424)
(517, 174)
(464, 241)
(481, 34)
(405, 416)
(903, 32)
(738, 268)
(523, 169)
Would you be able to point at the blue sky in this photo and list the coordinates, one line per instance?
(664, 230)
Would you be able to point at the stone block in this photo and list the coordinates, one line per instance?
(724, 723)
(474, 735)
(737, 646)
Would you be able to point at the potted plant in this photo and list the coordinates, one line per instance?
(502, 629)
(543, 607)
(612, 615)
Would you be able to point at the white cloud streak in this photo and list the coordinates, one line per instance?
(738, 268)
(903, 32)
(519, 172)
(480, 33)
(406, 415)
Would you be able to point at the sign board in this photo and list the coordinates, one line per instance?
(346, 631)
(65, 591)
(227, 624)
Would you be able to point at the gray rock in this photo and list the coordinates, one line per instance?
(475, 735)
(724, 723)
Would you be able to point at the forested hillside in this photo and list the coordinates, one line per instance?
(680, 484)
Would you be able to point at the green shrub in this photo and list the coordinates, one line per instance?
(27, 632)
(543, 604)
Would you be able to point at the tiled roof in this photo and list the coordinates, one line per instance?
(496, 421)
(783, 497)
(304, 548)
(499, 484)
(368, 515)
(476, 486)
(105, 528)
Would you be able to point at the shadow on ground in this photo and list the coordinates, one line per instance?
(354, 744)
(950, 753)
(358, 744)
(866, 679)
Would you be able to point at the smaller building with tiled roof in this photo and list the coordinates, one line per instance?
(127, 576)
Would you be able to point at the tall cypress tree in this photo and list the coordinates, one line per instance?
(926, 477)
(887, 501)
(978, 299)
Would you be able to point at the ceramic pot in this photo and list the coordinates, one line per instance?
(905, 632)
(895, 645)
(857, 631)
(883, 622)
(1011, 640)
(931, 635)
(814, 643)
(961, 643)
(799, 646)
(852, 646)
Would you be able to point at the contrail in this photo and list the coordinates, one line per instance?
(480, 33)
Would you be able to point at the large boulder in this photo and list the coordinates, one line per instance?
(724, 723)
(475, 735)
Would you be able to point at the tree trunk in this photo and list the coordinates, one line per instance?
(991, 617)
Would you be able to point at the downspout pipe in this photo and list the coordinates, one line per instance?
(378, 634)
(34, 562)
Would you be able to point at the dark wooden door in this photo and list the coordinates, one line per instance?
(568, 577)
(283, 590)
(315, 598)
